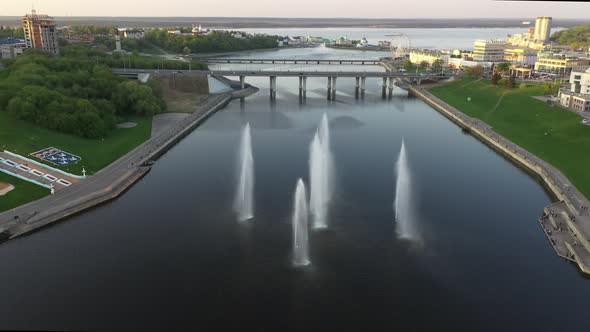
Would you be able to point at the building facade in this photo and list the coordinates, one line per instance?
(417, 56)
(578, 95)
(489, 50)
(520, 56)
(40, 32)
(560, 64)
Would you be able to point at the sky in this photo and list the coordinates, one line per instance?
(300, 8)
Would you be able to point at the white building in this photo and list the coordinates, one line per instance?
(417, 56)
(489, 50)
(543, 29)
(11, 51)
(578, 95)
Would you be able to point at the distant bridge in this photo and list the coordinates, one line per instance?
(290, 61)
(360, 77)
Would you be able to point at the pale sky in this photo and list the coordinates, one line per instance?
(299, 8)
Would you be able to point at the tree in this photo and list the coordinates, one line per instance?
(511, 82)
(408, 65)
(423, 65)
(186, 50)
(503, 67)
(496, 77)
(477, 71)
(437, 65)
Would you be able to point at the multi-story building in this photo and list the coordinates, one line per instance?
(578, 95)
(542, 29)
(132, 33)
(40, 32)
(520, 56)
(11, 48)
(560, 64)
(489, 50)
(417, 56)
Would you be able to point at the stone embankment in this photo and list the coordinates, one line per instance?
(565, 223)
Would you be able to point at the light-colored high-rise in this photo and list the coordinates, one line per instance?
(542, 29)
(489, 50)
(40, 32)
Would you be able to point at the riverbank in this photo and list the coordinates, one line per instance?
(573, 229)
(108, 183)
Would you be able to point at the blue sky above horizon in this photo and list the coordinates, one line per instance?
(302, 8)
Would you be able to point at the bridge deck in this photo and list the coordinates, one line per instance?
(291, 61)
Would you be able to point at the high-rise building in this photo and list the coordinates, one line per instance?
(489, 50)
(542, 29)
(40, 32)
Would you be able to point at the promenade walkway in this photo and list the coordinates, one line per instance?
(575, 206)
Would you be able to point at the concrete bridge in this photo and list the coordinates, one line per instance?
(290, 61)
(360, 77)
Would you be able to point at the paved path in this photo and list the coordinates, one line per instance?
(107, 183)
(26, 173)
(165, 121)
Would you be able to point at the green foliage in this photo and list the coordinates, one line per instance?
(423, 65)
(503, 67)
(576, 37)
(522, 86)
(408, 65)
(474, 72)
(551, 133)
(118, 60)
(72, 95)
(11, 32)
(511, 84)
(216, 41)
(496, 77)
(437, 65)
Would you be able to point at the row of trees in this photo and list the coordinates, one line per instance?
(509, 82)
(73, 95)
(134, 60)
(436, 66)
(216, 41)
(11, 32)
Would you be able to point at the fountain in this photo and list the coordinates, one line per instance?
(244, 202)
(320, 173)
(404, 216)
(300, 214)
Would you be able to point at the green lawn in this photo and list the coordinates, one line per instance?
(23, 138)
(551, 133)
(23, 192)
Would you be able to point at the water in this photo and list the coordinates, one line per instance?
(404, 215)
(300, 226)
(321, 173)
(244, 202)
(169, 255)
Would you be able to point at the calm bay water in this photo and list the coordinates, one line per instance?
(169, 254)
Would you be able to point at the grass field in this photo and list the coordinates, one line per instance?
(23, 192)
(24, 138)
(551, 133)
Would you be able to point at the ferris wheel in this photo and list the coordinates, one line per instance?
(400, 45)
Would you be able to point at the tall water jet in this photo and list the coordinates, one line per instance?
(320, 173)
(404, 216)
(244, 202)
(300, 225)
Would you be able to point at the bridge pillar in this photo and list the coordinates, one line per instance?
(242, 82)
(390, 87)
(363, 79)
(334, 88)
(356, 87)
(273, 87)
(384, 88)
(329, 87)
(302, 87)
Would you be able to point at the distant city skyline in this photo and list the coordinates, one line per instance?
(378, 9)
